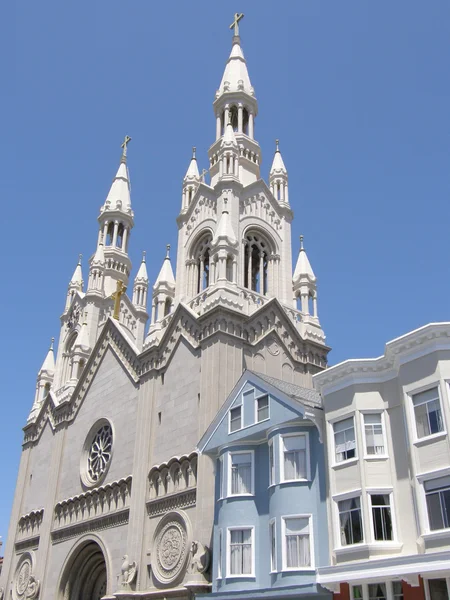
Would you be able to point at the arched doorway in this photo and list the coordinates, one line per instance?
(85, 576)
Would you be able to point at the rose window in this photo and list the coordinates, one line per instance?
(99, 453)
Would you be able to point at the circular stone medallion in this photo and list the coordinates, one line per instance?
(171, 548)
(23, 577)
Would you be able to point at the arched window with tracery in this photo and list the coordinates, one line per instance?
(234, 117)
(256, 263)
(120, 231)
(201, 256)
(110, 234)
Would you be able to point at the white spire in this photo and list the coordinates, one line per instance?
(99, 256)
(235, 76)
(166, 274)
(77, 277)
(82, 342)
(192, 172)
(142, 273)
(224, 232)
(229, 139)
(278, 164)
(303, 268)
(48, 366)
(119, 195)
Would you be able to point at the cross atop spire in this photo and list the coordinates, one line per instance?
(124, 145)
(235, 24)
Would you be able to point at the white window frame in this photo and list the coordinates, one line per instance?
(384, 492)
(229, 476)
(284, 566)
(229, 418)
(272, 474)
(347, 461)
(228, 566)
(256, 407)
(305, 434)
(439, 434)
(365, 588)
(221, 463)
(427, 584)
(348, 496)
(383, 426)
(430, 477)
(273, 555)
(219, 562)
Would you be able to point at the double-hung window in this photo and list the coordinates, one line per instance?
(374, 435)
(437, 493)
(344, 439)
(427, 413)
(235, 419)
(297, 540)
(240, 552)
(294, 457)
(381, 517)
(262, 408)
(241, 471)
(350, 521)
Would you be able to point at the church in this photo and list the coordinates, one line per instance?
(114, 498)
(204, 449)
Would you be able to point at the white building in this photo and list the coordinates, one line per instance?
(387, 424)
(111, 493)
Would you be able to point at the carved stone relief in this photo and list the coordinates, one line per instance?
(26, 586)
(170, 547)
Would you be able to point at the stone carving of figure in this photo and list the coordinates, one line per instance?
(199, 559)
(129, 571)
(32, 591)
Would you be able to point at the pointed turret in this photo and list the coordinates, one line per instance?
(97, 271)
(116, 221)
(191, 182)
(44, 380)
(163, 290)
(223, 265)
(235, 76)
(278, 178)
(305, 283)
(81, 351)
(236, 103)
(224, 233)
(75, 285)
(140, 287)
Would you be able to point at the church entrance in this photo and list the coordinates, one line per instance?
(85, 577)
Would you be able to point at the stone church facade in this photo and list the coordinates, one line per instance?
(113, 499)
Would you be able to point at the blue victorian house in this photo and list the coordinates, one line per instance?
(270, 527)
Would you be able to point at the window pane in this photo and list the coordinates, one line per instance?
(342, 425)
(344, 439)
(263, 408)
(438, 589)
(421, 415)
(372, 418)
(357, 592)
(397, 589)
(434, 511)
(350, 521)
(240, 552)
(297, 543)
(273, 565)
(377, 591)
(437, 483)
(374, 434)
(432, 394)
(271, 465)
(235, 419)
(434, 415)
(241, 473)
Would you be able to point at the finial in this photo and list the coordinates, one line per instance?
(80, 256)
(168, 251)
(194, 150)
(277, 142)
(143, 255)
(126, 141)
(51, 343)
(235, 24)
(301, 242)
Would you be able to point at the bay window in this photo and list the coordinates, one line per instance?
(240, 552)
(241, 473)
(297, 542)
(344, 440)
(427, 413)
(294, 457)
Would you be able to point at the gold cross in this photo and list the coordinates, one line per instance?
(120, 291)
(235, 23)
(126, 141)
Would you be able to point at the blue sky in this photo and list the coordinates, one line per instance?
(357, 92)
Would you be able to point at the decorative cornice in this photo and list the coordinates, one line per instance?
(30, 524)
(422, 341)
(27, 544)
(176, 501)
(98, 524)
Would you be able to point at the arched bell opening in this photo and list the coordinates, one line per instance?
(85, 576)
(202, 257)
(256, 263)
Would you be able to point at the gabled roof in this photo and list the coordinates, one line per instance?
(303, 401)
(302, 394)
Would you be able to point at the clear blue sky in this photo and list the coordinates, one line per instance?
(358, 92)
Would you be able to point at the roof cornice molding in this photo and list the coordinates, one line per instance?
(401, 350)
